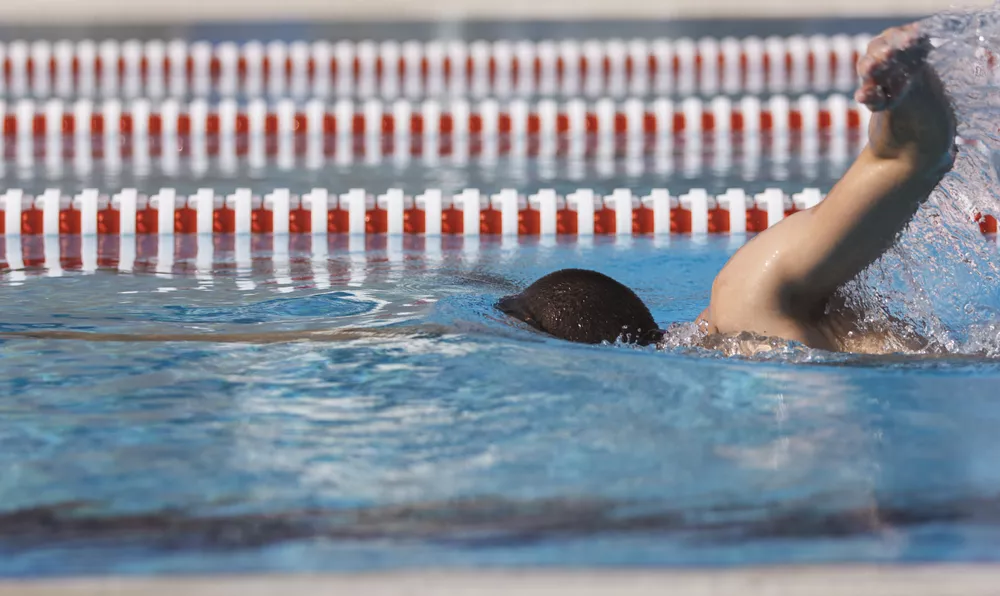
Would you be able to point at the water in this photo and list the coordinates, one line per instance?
(487, 445)
(756, 163)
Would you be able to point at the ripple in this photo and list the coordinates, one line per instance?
(328, 305)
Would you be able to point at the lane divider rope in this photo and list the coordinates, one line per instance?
(391, 69)
(431, 213)
(56, 130)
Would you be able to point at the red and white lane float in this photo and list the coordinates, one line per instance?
(392, 69)
(53, 232)
(57, 131)
(394, 212)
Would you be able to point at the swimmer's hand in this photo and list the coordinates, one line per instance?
(912, 119)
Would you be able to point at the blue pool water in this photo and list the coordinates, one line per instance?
(487, 445)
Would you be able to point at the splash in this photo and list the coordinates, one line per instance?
(943, 276)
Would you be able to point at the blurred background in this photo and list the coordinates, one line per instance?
(180, 11)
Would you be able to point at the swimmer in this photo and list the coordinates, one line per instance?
(783, 284)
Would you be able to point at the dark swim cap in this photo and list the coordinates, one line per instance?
(583, 306)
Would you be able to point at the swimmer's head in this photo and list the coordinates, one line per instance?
(583, 306)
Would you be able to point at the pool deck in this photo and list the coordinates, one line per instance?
(917, 580)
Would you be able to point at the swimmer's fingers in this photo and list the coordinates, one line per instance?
(890, 67)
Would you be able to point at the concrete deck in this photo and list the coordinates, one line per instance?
(957, 580)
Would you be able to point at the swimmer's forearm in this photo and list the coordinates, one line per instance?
(864, 213)
(858, 221)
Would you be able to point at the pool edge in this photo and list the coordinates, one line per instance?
(857, 580)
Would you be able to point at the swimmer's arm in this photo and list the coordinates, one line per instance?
(911, 140)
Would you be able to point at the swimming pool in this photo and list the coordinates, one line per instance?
(462, 440)
(485, 446)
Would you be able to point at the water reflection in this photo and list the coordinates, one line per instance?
(377, 163)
